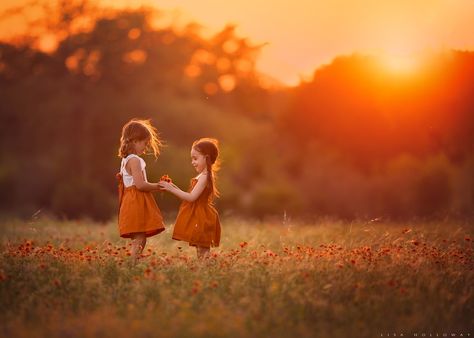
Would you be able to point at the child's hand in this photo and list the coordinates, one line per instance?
(166, 186)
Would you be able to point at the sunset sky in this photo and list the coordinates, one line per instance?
(303, 34)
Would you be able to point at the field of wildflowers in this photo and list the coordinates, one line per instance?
(267, 279)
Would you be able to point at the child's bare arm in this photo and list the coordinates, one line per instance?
(134, 167)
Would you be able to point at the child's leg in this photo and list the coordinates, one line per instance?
(202, 252)
(138, 244)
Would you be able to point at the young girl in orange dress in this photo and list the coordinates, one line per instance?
(198, 221)
(139, 216)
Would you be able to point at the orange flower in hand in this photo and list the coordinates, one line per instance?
(166, 178)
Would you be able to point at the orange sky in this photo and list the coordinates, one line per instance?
(303, 34)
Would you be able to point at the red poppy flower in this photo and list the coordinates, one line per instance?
(243, 244)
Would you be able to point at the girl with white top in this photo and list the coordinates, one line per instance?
(139, 216)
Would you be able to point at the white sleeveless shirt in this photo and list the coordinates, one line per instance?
(127, 178)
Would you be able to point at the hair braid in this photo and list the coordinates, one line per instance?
(209, 148)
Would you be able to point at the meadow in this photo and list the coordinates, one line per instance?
(277, 278)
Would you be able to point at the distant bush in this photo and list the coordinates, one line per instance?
(78, 198)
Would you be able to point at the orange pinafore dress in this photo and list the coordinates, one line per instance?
(138, 211)
(198, 222)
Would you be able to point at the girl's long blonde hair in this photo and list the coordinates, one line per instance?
(139, 130)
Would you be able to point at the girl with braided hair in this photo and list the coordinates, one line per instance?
(198, 221)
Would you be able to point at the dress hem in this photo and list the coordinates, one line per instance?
(204, 245)
(148, 233)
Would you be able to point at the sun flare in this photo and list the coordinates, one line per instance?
(401, 64)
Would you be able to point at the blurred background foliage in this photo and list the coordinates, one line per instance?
(354, 141)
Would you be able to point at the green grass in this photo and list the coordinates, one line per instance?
(327, 279)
